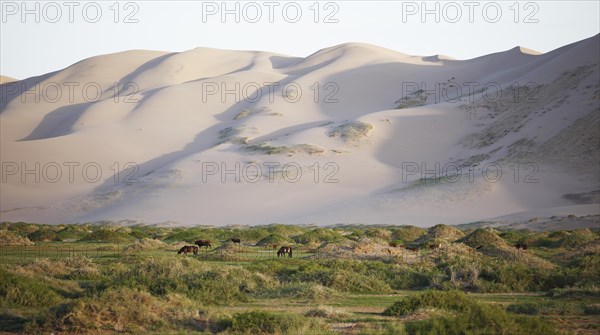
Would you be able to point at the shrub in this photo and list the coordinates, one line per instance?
(326, 312)
(523, 308)
(72, 233)
(189, 235)
(576, 292)
(484, 237)
(407, 277)
(408, 234)
(593, 309)
(341, 275)
(319, 235)
(351, 131)
(464, 316)
(213, 285)
(8, 237)
(80, 267)
(17, 290)
(261, 322)
(445, 300)
(274, 238)
(108, 236)
(577, 238)
(118, 310)
(43, 235)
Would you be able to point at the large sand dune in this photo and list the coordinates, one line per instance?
(360, 122)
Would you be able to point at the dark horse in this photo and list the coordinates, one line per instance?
(188, 248)
(285, 250)
(235, 240)
(521, 246)
(203, 243)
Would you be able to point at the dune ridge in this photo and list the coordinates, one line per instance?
(362, 124)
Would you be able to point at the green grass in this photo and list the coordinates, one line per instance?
(88, 286)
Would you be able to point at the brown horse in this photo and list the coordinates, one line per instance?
(521, 246)
(188, 248)
(393, 244)
(285, 250)
(236, 240)
(413, 248)
(203, 243)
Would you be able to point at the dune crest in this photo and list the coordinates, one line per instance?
(352, 133)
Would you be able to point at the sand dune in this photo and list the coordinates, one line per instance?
(216, 137)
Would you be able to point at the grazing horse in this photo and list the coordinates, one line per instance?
(235, 240)
(393, 244)
(413, 248)
(521, 246)
(285, 250)
(203, 243)
(188, 248)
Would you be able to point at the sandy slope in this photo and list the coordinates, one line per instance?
(356, 143)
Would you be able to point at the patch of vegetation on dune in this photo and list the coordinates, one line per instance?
(119, 310)
(252, 111)
(483, 237)
(327, 312)
(268, 149)
(440, 234)
(20, 290)
(461, 314)
(274, 239)
(108, 235)
(413, 99)
(351, 131)
(72, 232)
(144, 244)
(231, 134)
(408, 234)
(8, 237)
(66, 268)
(318, 236)
(262, 322)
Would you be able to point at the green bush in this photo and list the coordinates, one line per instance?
(189, 235)
(274, 238)
(407, 277)
(72, 232)
(107, 236)
(319, 235)
(261, 322)
(408, 234)
(593, 309)
(341, 275)
(43, 235)
(118, 310)
(445, 300)
(16, 290)
(213, 285)
(523, 308)
(463, 315)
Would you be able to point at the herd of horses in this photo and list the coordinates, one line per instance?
(286, 250)
(282, 252)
